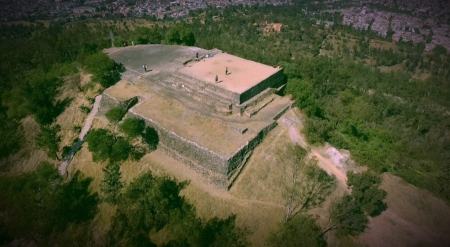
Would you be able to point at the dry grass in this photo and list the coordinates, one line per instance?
(260, 213)
(29, 157)
(385, 45)
(262, 176)
(72, 116)
(101, 224)
(187, 123)
(26, 23)
(394, 68)
(420, 75)
(124, 90)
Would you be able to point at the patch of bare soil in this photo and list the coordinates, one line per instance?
(419, 75)
(292, 120)
(414, 218)
(385, 45)
(394, 68)
(327, 165)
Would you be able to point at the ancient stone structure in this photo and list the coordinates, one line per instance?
(210, 126)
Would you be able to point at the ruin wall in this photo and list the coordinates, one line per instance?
(273, 81)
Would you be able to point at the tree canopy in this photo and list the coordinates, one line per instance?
(152, 203)
(180, 35)
(39, 206)
(132, 127)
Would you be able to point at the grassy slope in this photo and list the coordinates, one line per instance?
(414, 216)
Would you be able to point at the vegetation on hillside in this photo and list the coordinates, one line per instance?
(31, 78)
(390, 122)
(42, 208)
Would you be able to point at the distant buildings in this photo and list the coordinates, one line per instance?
(83, 9)
(414, 27)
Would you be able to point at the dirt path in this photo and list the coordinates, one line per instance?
(91, 116)
(293, 123)
(328, 165)
(87, 126)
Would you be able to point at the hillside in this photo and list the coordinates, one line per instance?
(369, 138)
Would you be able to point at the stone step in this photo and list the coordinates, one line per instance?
(204, 85)
(253, 110)
(188, 80)
(219, 95)
(204, 94)
(192, 94)
(257, 98)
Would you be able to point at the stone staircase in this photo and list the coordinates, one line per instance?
(194, 90)
(253, 110)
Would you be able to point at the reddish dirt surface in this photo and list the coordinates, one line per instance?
(242, 75)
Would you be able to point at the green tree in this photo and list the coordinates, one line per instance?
(151, 204)
(39, 206)
(36, 94)
(132, 127)
(104, 70)
(347, 217)
(111, 185)
(120, 150)
(145, 35)
(12, 137)
(180, 35)
(306, 185)
(150, 136)
(222, 232)
(114, 115)
(147, 204)
(48, 140)
(301, 231)
(366, 191)
(100, 142)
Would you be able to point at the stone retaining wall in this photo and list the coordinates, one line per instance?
(218, 169)
(107, 103)
(239, 156)
(188, 152)
(273, 81)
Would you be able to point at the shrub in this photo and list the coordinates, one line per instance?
(114, 115)
(132, 127)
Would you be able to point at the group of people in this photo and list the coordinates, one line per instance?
(206, 56)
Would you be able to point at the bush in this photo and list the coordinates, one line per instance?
(132, 127)
(114, 115)
(100, 144)
(180, 35)
(104, 70)
(85, 109)
(120, 150)
(138, 152)
(151, 137)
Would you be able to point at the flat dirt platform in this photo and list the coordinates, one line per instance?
(157, 57)
(242, 75)
(207, 131)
